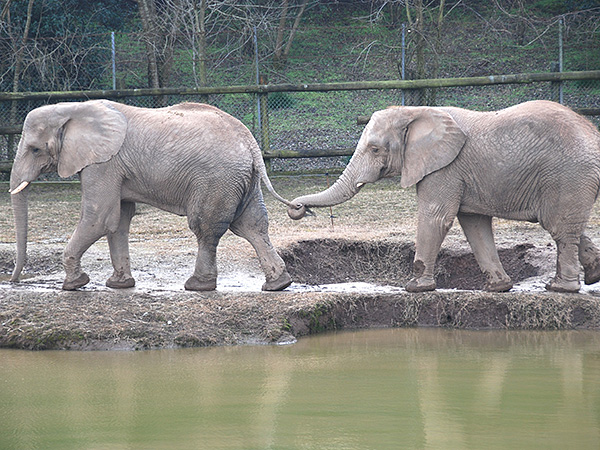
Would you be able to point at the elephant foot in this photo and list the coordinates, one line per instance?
(120, 282)
(498, 286)
(562, 286)
(279, 284)
(75, 284)
(592, 273)
(419, 285)
(195, 284)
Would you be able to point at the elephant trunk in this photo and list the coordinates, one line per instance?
(19, 190)
(345, 187)
(19, 206)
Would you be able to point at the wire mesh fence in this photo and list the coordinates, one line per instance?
(311, 123)
(475, 42)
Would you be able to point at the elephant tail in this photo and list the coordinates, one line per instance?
(259, 165)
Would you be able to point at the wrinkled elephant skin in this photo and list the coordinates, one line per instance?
(190, 159)
(537, 161)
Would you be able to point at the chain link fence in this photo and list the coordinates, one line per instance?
(474, 43)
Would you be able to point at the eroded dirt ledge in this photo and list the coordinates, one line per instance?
(135, 321)
(372, 241)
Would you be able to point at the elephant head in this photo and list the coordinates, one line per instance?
(63, 138)
(408, 141)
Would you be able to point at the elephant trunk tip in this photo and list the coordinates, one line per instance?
(14, 278)
(297, 212)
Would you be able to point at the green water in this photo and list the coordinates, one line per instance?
(380, 389)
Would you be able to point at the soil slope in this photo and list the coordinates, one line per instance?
(349, 275)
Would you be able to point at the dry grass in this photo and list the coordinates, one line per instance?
(370, 234)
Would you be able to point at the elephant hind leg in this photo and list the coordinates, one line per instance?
(205, 272)
(567, 265)
(566, 279)
(118, 244)
(589, 257)
(573, 249)
(253, 225)
(479, 234)
(208, 233)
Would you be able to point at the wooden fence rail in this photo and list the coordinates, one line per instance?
(522, 78)
(262, 90)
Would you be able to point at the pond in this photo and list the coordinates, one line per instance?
(375, 389)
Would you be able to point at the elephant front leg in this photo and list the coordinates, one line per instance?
(84, 236)
(430, 235)
(75, 277)
(479, 234)
(118, 244)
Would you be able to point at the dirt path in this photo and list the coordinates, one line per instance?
(348, 276)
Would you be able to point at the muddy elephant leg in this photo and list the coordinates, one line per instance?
(100, 214)
(87, 232)
(567, 266)
(479, 234)
(589, 257)
(208, 235)
(118, 244)
(205, 272)
(431, 231)
(253, 225)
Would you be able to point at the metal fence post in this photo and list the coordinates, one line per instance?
(114, 62)
(560, 58)
(403, 69)
(263, 114)
(557, 66)
(262, 103)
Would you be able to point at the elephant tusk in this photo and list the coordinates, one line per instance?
(359, 185)
(19, 188)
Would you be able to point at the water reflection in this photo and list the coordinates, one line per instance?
(399, 388)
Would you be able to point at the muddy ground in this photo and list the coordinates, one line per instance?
(348, 272)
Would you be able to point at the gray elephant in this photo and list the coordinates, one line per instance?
(190, 159)
(537, 161)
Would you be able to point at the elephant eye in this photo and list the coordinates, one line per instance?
(35, 150)
(375, 149)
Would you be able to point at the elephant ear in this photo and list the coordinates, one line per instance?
(93, 132)
(433, 140)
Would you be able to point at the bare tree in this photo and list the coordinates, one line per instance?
(19, 47)
(160, 28)
(148, 18)
(425, 21)
(199, 43)
(282, 51)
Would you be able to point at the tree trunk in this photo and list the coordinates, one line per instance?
(282, 51)
(417, 32)
(280, 32)
(200, 50)
(147, 19)
(288, 46)
(17, 75)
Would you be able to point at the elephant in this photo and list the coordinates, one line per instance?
(537, 161)
(189, 159)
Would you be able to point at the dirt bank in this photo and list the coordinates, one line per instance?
(349, 275)
(129, 320)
